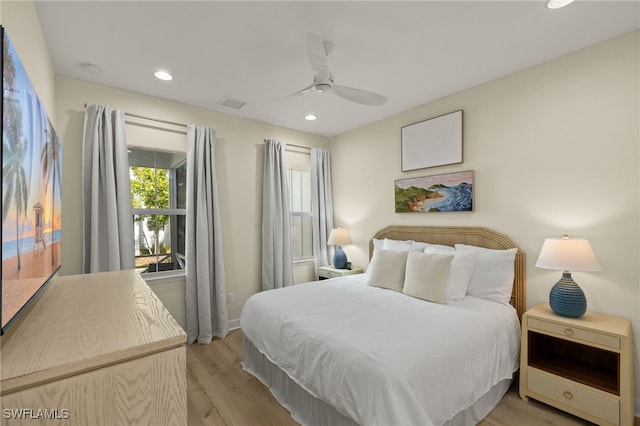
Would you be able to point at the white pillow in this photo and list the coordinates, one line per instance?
(439, 249)
(377, 243)
(398, 245)
(462, 267)
(426, 276)
(419, 246)
(387, 269)
(493, 275)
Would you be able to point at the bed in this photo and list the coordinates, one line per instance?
(351, 350)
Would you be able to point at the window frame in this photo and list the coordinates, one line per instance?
(301, 214)
(303, 259)
(168, 275)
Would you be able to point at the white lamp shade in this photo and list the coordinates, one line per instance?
(339, 237)
(567, 254)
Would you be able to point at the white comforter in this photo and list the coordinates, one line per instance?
(379, 356)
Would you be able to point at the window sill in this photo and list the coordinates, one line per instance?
(303, 261)
(164, 277)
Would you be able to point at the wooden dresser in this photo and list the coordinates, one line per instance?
(95, 349)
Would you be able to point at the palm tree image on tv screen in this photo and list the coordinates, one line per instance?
(31, 189)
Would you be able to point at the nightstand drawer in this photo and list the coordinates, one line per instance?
(574, 332)
(333, 274)
(325, 272)
(565, 393)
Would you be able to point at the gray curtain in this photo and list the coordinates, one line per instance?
(277, 260)
(107, 213)
(321, 205)
(205, 289)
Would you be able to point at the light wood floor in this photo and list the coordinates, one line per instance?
(221, 393)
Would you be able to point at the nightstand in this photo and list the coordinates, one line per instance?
(325, 272)
(580, 365)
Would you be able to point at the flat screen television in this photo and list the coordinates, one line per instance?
(31, 191)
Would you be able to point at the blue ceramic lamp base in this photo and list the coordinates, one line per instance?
(566, 298)
(340, 259)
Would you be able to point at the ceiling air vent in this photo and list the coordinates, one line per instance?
(231, 103)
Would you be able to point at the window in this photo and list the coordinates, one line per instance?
(300, 214)
(158, 196)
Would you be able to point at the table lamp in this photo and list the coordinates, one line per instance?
(339, 237)
(567, 254)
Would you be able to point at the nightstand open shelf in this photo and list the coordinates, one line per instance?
(588, 365)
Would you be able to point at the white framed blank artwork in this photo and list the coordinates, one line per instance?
(433, 142)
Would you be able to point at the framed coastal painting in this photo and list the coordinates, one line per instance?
(433, 142)
(450, 192)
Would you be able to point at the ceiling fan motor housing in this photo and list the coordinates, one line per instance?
(323, 83)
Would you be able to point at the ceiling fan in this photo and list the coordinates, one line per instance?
(318, 50)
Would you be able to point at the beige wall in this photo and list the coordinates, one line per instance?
(21, 22)
(239, 156)
(555, 150)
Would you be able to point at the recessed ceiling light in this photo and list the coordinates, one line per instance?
(163, 75)
(557, 4)
(310, 117)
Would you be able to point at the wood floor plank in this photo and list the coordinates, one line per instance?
(513, 411)
(221, 393)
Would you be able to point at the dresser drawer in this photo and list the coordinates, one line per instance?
(570, 394)
(574, 332)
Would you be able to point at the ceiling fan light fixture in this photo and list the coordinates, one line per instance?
(323, 87)
(557, 4)
(163, 75)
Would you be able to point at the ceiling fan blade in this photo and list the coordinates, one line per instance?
(317, 54)
(359, 96)
(299, 92)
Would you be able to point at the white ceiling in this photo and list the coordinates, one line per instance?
(412, 52)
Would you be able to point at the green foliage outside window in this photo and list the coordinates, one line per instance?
(150, 190)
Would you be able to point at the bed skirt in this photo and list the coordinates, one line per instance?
(308, 410)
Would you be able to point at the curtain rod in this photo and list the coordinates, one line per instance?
(298, 146)
(173, 123)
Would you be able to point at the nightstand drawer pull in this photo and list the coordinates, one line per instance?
(567, 395)
(568, 332)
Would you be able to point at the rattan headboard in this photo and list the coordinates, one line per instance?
(450, 235)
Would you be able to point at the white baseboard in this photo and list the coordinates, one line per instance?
(233, 324)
